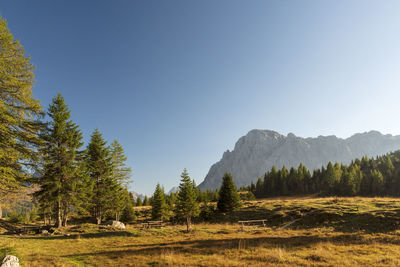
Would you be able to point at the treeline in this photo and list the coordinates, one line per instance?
(49, 152)
(362, 177)
(189, 202)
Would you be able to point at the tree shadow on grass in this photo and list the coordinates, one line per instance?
(210, 246)
(378, 221)
(342, 219)
(85, 235)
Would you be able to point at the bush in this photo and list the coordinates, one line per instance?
(247, 195)
(128, 214)
(22, 216)
(18, 217)
(207, 212)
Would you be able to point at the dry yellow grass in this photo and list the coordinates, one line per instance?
(321, 244)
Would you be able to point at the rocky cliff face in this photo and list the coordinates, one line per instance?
(259, 150)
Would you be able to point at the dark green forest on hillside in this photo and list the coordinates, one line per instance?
(378, 176)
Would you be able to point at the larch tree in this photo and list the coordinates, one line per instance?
(19, 115)
(119, 171)
(120, 174)
(229, 199)
(186, 204)
(62, 175)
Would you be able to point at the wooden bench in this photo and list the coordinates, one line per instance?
(152, 224)
(252, 223)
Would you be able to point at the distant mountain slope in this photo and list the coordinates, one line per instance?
(137, 195)
(173, 190)
(259, 150)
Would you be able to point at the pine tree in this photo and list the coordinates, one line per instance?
(282, 176)
(63, 178)
(132, 199)
(259, 188)
(159, 208)
(229, 199)
(171, 200)
(128, 213)
(99, 168)
(186, 204)
(19, 114)
(377, 183)
(387, 169)
(146, 201)
(332, 176)
(274, 182)
(293, 181)
(139, 202)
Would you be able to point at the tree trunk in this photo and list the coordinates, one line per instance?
(188, 221)
(1, 212)
(44, 218)
(59, 219)
(65, 217)
(98, 216)
(117, 216)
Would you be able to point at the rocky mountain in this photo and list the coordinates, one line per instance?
(259, 150)
(137, 195)
(173, 190)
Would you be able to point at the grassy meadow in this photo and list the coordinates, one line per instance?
(326, 232)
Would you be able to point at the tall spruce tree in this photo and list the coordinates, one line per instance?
(99, 167)
(159, 208)
(186, 204)
(63, 178)
(19, 114)
(229, 199)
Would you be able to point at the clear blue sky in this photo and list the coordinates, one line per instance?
(178, 82)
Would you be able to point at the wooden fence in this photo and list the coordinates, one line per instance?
(252, 223)
(152, 224)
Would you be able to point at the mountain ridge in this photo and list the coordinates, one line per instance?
(259, 150)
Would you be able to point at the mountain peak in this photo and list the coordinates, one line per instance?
(259, 150)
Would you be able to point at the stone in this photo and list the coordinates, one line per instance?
(118, 224)
(255, 154)
(45, 232)
(10, 261)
